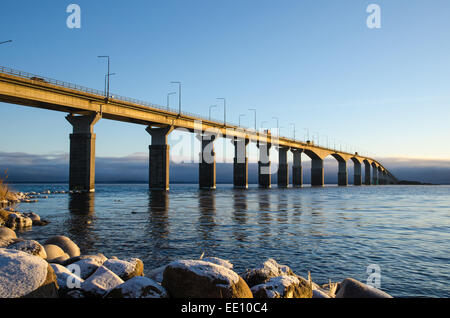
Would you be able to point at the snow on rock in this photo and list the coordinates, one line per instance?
(351, 288)
(101, 282)
(30, 247)
(218, 261)
(22, 274)
(268, 270)
(17, 221)
(6, 233)
(200, 279)
(283, 287)
(125, 269)
(138, 287)
(66, 244)
(157, 274)
(65, 278)
(90, 264)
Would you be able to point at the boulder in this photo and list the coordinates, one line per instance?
(33, 216)
(351, 288)
(268, 270)
(25, 275)
(100, 283)
(125, 269)
(218, 261)
(60, 260)
(200, 279)
(18, 221)
(53, 252)
(7, 234)
(157, 274)
(138, 287)
(89, 264)
(67, 280)
(30, 247)
(66, 244)
(283, 287)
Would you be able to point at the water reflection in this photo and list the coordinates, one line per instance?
(206, 220)
(158, 209)
(80, 223)
(240, 214)
(264, 217)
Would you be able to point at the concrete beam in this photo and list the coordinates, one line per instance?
(283, 168)
(207, 162)
(82, 152)
(297, 169)
(240, 164)
(159, 158)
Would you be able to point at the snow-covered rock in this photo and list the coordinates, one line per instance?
(17, 221)
(25, 275)
(90, 264)
(7, 233)
(29, 246)
(268, 270)
(66, 244)
(100, 283)
(157, 274)
(283, 287)
(53, 252)
(66, 279)
(200, 279)
(125, 269)
(218, 261)
(351, 288)
(138, 287)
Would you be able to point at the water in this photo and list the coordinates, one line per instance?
(333, 232)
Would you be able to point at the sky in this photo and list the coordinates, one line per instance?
(315, 64)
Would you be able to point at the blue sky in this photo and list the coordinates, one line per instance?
(312, 63)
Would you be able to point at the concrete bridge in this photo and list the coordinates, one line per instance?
(85, 107)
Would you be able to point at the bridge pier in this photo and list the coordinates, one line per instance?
(367, 180)
(380, 176)
(207, 162)
(159, 158)
(283, 168)
(264, 171)
(240, 164)
(342, 174)
(317, 172)
(297, 169)
(82, 152)
(357, 177)
(374, 175)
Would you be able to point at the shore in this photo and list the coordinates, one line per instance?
(56, 268)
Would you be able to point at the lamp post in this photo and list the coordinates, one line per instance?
(179, 96)
(168, 98)
(211, 107)
(293, 125)
(307, 134)
(224, 110)
(107, 74)
(253, 109)
(241, 115)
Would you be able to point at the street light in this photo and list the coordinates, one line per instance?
(241, 115)
(224, 110)
(211, 107)
(9, 41)
(292, 124)
(307, 134)
(318, 138)
(252, 109)
(107, 74)
(168, 98)
(179, 96)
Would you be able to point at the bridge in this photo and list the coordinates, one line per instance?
(85, 107)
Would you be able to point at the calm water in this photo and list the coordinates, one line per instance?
(333, 232)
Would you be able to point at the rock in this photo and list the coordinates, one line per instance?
(25, 275)
(60, 260)
(138, 287)
(101, 282)
(29, 246)
(157, 274)
(269, 269)
(200, 279)
(33, 216)
(53, 252)
(18, 221)
(41, 223)
(283, 287)
(66, 244)
(319, 293)
(67, 280)
(90, 264)
(351, 288)
(218, 261)
(125, 269)
(6, 233)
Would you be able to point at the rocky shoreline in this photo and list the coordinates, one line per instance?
(56, 268)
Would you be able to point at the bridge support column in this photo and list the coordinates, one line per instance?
(367, 180)
(357, 178)
(240, 164)
(374, 175)
(283, 168)
(317, 175)
(342, 174)
(381, 177)
(264, 172)
(159, 158)
(82, 152)
(207, 162)
(297, 169)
